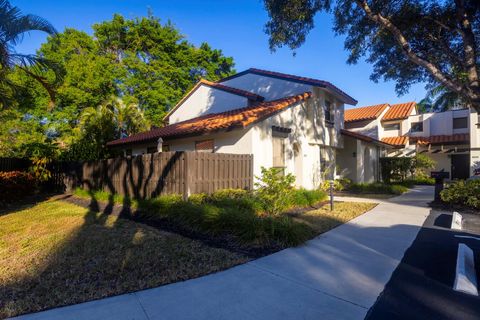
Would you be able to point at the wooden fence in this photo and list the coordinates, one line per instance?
(14, 164)
(150, 175)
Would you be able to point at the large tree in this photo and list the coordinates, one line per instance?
(144, 62)
(409, 41)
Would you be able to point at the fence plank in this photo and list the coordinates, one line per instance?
(145, 176)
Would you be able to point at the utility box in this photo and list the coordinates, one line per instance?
(439, 177)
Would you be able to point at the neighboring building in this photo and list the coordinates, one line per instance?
(451, 138)
(289, 122)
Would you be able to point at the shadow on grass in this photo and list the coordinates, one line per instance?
(104, 256)
(25, 203)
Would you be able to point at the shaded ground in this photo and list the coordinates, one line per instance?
(55, 253)
(421, 286)
(68, 250)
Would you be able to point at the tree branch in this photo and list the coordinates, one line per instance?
(468, 48)
(406, 48)
(44, 83)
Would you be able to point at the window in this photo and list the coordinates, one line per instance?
(390, 127)
(278, 152)
(328, 112)
(151, 149)
(460, 123)
(204, 145)
(417, 127)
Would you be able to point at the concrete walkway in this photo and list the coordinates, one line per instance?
(337, 275)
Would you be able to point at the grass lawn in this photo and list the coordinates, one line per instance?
(322, 220)
(56, 253)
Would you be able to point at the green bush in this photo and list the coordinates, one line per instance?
(303, 197)
(395, 169)
(229, 194)
(377, 187)
(15, 185)
(462, 192)
(274, 190)
(198, 198)
(237, 217)
(338, 184)
(230, 212)
(419, 180)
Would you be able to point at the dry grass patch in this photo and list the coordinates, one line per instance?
(322, 220)
(56, 253)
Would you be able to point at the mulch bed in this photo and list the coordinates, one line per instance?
(224, 242)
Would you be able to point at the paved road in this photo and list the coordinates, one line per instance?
(421, 286)
(337, 275)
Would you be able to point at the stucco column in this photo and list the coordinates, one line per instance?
(159, 144)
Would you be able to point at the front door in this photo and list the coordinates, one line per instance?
(460, 166)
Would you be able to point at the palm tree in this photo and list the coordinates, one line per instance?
(440, 98)
(13, 26)
(111, 120)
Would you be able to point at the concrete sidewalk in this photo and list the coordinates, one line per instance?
(337, 275)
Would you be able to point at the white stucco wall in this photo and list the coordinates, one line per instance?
(364, 166)
(474, 141)
(206, 100)
(308, 133)
(237, 142)
(268, 87)
(310, 140)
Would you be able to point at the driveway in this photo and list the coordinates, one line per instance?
(421, 286)
(337, 275)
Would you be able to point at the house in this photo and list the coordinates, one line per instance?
(451, 138)
(289, 122)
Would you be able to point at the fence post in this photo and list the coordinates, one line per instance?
(186, 178)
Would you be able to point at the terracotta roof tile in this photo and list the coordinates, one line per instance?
(249, 95)
(442, 139)
(310, 81)
(228, 120)
(362, 137)
(364, 113)
(399, 111)
(396, 141)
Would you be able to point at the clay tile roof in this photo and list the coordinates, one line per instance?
(365, 113)
(399, 111)
(239, 92)
(396, 141)
(228, 120)
(362, 137)
(309, 81)
(443, 139)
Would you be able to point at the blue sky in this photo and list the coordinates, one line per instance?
(236, 27)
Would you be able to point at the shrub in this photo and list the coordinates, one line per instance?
(274, 190)
(419, 180)
(303, 197)
(422, 163)
(394, 169)
(15, 185)
(226, 217)
(39, 169)
(229, 194)
(198, 198)
(463, 192)
(377, 187)
(338, 184)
